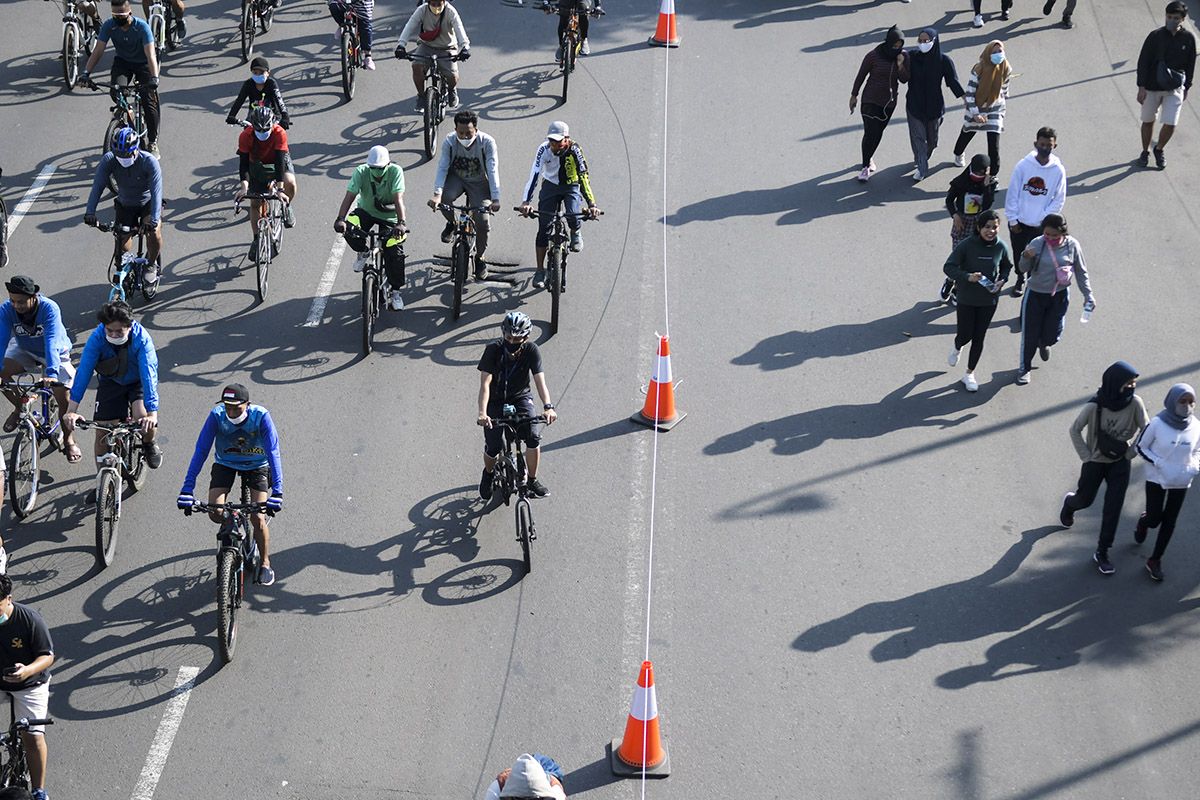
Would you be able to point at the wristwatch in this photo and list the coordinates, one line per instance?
(548, 407)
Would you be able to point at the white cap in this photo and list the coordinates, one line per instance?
(558, 131)
(378, 156)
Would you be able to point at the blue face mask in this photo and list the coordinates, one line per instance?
(997, 58)
(259, 79)
(262, 136)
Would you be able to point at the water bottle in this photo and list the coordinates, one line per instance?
(987, 283)
(1088, 307)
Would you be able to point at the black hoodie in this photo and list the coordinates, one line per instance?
(925, 73)
(962, 185)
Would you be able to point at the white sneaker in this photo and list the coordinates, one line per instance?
(586, 49)
(1023, 379)
(918, 176)
(959, 161)
(952, 359)
(360, 263)
(3, 561)
(978, 22)
(865, 175)
(368, 63)
(396, 302)
(969, 381)
(872, 166)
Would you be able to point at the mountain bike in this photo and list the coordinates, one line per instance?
(570, 42)
(127, 270)
(237, 554)
(508, 477)
(78, 39)
(434, 98)
(351, 50)
(162, 27)
(37, 422)
(462, 250)
(3, 230)
(260, 13)
(270, 230)
(14, 769)
(556, 259)
(126, 113)
(123, 463)
(375, 286)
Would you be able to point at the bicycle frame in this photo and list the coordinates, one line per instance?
(128, 108)
(126, 267)
(31, 390)
(15, 771)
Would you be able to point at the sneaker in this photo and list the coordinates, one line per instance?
(918, 176)
(558, 54)
(978, 21)
(481, 270)
(1004, 15)
(576, 243)
(360, 263)
(289, 216)
(1019, 288)
(452, 103)
(959, 161)
(536, 488)
(953, 298)
(266, 575)
(447, 233)
(1066, 23)
(969, 381)
(1046, 9)
(1044, 352)
(1139, 533)
(1154, 567)
(153, 455)
(395, 301)
(1102, 563)
(1023, 378)
(1160, 158)
(150, 274)
(180, 29)
(154, 150)
(252, 253)
(944, 292)
(3, 561)
(952, 359)
(586, 49)
(1144, 159)
(864, 175)
(485, 485)
(1067, 515)
(420, 106)
(39, 794)
(539, 279)
(368, 63)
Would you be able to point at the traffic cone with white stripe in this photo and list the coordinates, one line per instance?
(641, 751)
(666, 35)
(659, 409)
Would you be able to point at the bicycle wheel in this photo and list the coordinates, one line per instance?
(158, 31)
(525, 531)
(70, 55)
(369, 310)
(568, 66)
(172, 31)
(108, 513)
(150, 290)
(459, 266)
(113, 125)
(3, 234)
(247, 29)
(228, 578)
(23, 473)
(554, 284)
(263, 265)
(348, 64)
(266, 16)
(430, 120)
(137, 472)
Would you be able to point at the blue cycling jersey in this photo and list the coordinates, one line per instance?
(249, 445)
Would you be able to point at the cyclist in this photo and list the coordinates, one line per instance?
(565, 7)
(133, 45)
(35, 340)
(263, 158)
(363, 11)
(560, 164)
(246, 445)
(504, 372)
(138, 203)
(378, 185)
(26, 655)
(468, 163)
(260, 89)
(532, 776)
(441, 32)
(122, 355)
(178, 6)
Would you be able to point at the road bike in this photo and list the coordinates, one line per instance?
(556, 259)
(435, 98)
(570, 42)
(162, 27)
(270, 230)
(351, 50)
(255, 13)
(462, 250)
(237, 554)
(14, 767)
(124, 463)
(127, 270)
(78, 39)
(126, 113)
(37, 422)
(3, 230)
(375, 286)
(508, 477)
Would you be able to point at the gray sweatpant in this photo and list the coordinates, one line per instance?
(923, 136)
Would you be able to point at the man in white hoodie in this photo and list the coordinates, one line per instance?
(1038, 187)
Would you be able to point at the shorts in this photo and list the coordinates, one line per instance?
(32, 703)
(131, 216)
(258, 186)
(222, 477)
(445, 65)
(529, 433)
(114, 400)
(33, 363)
(1171, 102)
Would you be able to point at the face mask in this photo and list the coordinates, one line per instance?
(512, 349)
(466, 142)
(1053, 241)
(377, 172)
(117, 340)
(127, 162)
(1173, 25)
(924, 47)
(3, 618)
(997, 58)
(259, 79)
(895, 52)
(1043, 153)
(974, 177)
(123, 22)
(1127, 395)
(239, 419)
(262, 136)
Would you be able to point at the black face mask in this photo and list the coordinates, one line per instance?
(513, 349)
(123, 22)
(1043, 152)
(1127, 395)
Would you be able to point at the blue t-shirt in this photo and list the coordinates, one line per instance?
(251, 444)
(128, 43)
(44, 336)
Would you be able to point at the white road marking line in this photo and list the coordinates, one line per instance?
(326, 284)
(22, 207)
(160, 748)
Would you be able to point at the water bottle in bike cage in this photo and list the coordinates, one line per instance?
(508, 411)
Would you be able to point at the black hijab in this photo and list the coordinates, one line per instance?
(1110, 395)
(894, 35)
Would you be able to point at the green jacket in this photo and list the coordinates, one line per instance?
(973, 255)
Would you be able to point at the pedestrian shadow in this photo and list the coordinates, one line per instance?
(1095, 180)
(608, 430)
(805, 11)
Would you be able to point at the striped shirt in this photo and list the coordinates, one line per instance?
(994, 112)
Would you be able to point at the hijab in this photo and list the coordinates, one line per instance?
(991, 76)
(1110, 395)
(894, 35)
(934, 55)
(1169, 415)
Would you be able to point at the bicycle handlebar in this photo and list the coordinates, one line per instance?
(549, 8)
(254, 508)
(240, 123)
(513, 421)
(133, 427)
(29, 386)
(109, 227)
(24, 723)
(464, 208)
(435, 57)
(536, 214)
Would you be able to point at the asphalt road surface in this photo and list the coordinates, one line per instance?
(859, 587)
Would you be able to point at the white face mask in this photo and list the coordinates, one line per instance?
(117, 340)
(127, 162)
(466, 142)
(924, 47)
(262, 136)
(239, 419)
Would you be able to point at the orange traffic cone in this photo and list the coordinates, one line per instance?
(659, 408)
(641, 751)
(666, 35)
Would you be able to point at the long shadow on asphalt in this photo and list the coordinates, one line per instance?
(593, 776)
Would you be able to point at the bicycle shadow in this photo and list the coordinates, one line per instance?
(31, 79)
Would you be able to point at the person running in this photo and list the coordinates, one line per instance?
(26, 655)
(986, 102)
(879, 77)
(138, 203)
(505, 370)
(585, 8)
(531, 776)
(971, 191)
(1171, 446)
(1113, 419)
(260, 89)
(977, 7)
(363, 11)
(927, 68)
(468, 164)
(245, 444)
(378, 186)
(263, 160)
(441, 33)
(1049, 262)
(1038, 187)
(1165, 69)
(133, 45)
(979, 266)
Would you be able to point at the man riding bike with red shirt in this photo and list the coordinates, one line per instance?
(264, 164)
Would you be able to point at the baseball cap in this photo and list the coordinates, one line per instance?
(558, 131)
(258, 62)
(235, 393)
(22, 284)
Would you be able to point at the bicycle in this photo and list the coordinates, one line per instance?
(508, 477)
(78, 39)
(570, 42)
(462, 250)
(270, 231)
(126, 113)
(236, 554)
(14, 771)
(254, 12)
(435, 98)
(351, 51)
(375, 287)
(556, 259)
(123, 463)
(162, 27)
(127, 270)
(36, 423)
(3, 230)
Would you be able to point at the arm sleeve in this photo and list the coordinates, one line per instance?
(534, 173)
(274, 462)
(1145, 443)
(243, 93)
(863, 71)
(411, 27)
(1082, 419)
(87, 365)
(953, 266)
(1025, 265)
(1012, 198)
(1191, 67)
(6, 326)
(460, 32)
(1145, 63)
(204, 443)
(952, 198)
(40, 643)
(491, 165)
(902, 71)
(1006, 262)
(969, 95)
(443, 165)
(1081, 273)
(243, 166)
(155, 190)
(585, 183)
(99, 183)
(277, 99)
(1060, 197)
(148, 370)
(950, 74)
(51, 323)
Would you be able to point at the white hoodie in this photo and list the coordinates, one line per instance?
(1172, 455)
(1035, 190)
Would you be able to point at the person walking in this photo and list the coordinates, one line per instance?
(986, 101)
(971, 191)
(1171, 446)
(977, 6)
(1113, 418)
(1038, 187)
(926, 68)
(879, 77)
(1048, 263)
(1165, 69)
(979, 266)
(1067, 12)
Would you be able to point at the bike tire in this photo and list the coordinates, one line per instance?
(554, 284)
(24, 474)
(525, 532)
(3, 234)
(113, 125)
(70, 56)
(458, 260)
(158, 32)
(150, 291)
(369, 310)
(568, 64)
(136, 476)
(266, 16)
(430, 120)
(262, 266)
(348, 65)
(108, 515)
(228, 595)
(247, 29)
(172, 32)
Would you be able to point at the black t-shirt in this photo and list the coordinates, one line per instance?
(23, 638)
(510, 376)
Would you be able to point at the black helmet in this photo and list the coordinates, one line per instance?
(262, 118)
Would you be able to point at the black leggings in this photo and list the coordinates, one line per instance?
(973, 322)
(1091, 474)
(875, 118)
(122, 73)
(1162, 508)
(993, 138)
(564, 16)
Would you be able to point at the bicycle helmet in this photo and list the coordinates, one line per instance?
(262, 118)
(124, 142)
(516, 323)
